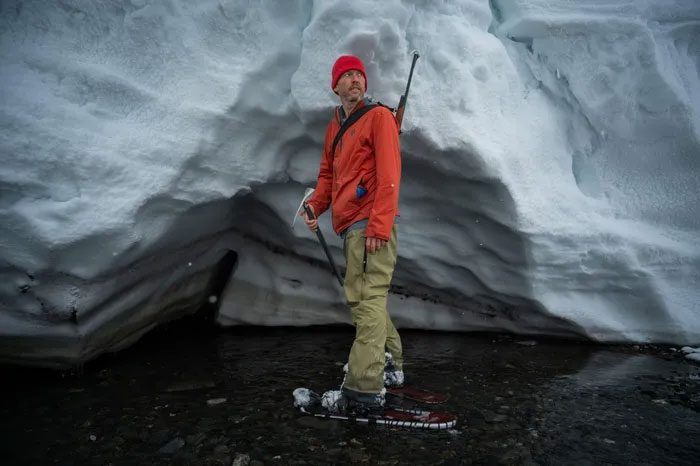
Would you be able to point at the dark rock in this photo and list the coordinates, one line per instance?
(190, 385)
(172, 446)
(221, 449)
(195, 439)
(492, 417)
(313, 422)
(241, 459)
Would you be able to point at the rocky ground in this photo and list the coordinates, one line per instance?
(189, 395)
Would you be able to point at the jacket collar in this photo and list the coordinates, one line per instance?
(340, 113)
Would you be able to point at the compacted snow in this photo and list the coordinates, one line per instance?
(153, 150)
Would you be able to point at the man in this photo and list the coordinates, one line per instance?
(360, 180)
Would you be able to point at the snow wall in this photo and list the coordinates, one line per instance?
(153, 154)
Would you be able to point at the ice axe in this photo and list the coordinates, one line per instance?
(319, 234)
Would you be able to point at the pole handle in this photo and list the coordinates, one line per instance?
(322, 240)
(309, 212)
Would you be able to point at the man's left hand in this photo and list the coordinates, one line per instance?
(374, 244)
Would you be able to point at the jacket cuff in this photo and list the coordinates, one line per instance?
(317, 210)
(371, 233)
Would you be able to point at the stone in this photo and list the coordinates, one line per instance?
(172, 446)
(190, 385)
(216, 401)
(241, 459)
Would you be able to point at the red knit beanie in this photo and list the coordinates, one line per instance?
(346, 63)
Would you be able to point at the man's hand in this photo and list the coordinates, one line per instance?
(373, 244)
(311, 223)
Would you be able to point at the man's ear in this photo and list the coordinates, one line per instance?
(335, 89)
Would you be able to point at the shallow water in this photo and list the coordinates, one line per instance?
(519, 402)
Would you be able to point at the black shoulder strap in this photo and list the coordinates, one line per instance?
(352, 119)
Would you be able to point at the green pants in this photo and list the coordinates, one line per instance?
(366, 289)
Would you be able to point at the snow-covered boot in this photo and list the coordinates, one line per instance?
(392, 376)
(305, 398)
(334, 401)
(344, 401)
(351, 401)
(363, 403)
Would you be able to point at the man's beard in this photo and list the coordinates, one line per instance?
(351, 97)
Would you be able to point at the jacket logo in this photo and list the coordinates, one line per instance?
(352, 132)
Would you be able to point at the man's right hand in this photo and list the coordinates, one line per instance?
(311, 223)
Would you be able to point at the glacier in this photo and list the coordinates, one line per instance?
(154, 152)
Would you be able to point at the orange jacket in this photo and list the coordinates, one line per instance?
(368, 154)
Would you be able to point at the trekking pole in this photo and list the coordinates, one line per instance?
(322, 240)
(402, 102)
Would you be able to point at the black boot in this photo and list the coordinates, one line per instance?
(363, 403)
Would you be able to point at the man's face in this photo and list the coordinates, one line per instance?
(351, 86)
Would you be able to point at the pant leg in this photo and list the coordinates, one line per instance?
(366, 290)
(393, 340)
(393, 344)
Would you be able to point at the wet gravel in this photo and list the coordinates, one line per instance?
(193, 396)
